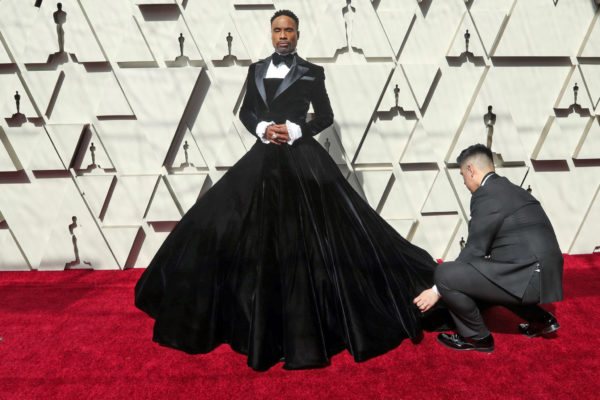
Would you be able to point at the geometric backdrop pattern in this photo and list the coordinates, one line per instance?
(106, 144)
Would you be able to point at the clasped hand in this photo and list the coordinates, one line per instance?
(277, 134)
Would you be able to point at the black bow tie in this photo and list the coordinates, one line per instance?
(288, 59)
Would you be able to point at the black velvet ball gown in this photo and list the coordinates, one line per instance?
(282, 259)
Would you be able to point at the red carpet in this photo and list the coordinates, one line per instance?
(77, 335)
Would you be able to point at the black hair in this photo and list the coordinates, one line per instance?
(473, 150)
(287, 13)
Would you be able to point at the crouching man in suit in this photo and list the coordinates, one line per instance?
(511, 258)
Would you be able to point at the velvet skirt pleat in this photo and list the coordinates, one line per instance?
(282, 259)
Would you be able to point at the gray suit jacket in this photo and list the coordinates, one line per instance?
(508, 224)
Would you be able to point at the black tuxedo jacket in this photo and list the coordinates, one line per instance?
(304, 84)
(508, 224)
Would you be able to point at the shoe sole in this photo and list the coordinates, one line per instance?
(486, 350)
(552, 328)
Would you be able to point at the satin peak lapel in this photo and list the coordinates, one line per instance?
(259, 77)
(295, 73)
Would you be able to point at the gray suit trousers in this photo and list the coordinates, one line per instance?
(462, 288)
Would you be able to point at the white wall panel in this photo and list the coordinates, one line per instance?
(540, 28)
(163, 132)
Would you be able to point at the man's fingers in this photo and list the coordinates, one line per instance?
(282, 136)
(277, 134)
(279, 129)
(426, 300)
(421, 303)
(418, 298)
(275, 138)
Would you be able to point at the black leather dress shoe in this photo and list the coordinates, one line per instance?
(457, 342)
(534, 329)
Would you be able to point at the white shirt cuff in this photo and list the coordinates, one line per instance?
(435, 289)
(294, 131)
(261, 128)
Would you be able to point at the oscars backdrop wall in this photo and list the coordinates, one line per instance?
(106, 144)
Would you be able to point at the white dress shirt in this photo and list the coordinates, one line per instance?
(294, 130)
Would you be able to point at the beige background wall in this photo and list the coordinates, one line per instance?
(121, 88)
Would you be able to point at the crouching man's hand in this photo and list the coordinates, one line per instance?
(426, 299)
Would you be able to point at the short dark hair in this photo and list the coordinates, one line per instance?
(475, 149)
(287, 13)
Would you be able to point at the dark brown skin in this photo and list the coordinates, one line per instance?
(284, 35)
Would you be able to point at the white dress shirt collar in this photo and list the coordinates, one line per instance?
(487, 177)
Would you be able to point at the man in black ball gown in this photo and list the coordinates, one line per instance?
(281, 258)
